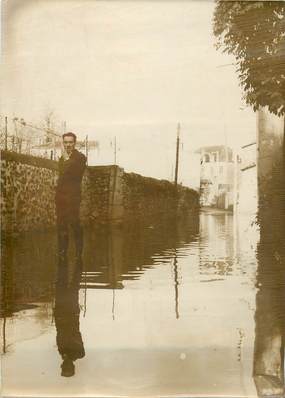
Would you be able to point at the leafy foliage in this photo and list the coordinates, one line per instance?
(254, 32)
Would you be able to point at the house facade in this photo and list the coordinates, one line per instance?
(247, 197)
(217, 174)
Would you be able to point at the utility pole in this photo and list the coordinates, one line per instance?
(176, 284)
(177, 154)
(6, 133)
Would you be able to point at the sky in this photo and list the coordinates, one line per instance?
(130, 69)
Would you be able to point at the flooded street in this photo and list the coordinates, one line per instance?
(142, 155)
(179, 308)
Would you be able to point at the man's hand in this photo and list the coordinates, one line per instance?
(64, 154)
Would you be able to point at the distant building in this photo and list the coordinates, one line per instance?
(217, 177)
(52, 148)
(247, 183)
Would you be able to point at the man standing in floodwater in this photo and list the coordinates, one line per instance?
(68, 195)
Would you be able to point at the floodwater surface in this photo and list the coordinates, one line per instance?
(156, 309)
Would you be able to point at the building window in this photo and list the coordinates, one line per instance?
(221, 170)
(206, 158)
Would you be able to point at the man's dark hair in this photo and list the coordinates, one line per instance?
(70, 134)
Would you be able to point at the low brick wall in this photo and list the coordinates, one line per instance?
(108, 194)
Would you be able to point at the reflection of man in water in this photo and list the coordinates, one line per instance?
(68, 194)
(66, 314)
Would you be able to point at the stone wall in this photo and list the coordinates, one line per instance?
(27, 192)
(101, 194)
(144, 196)
(108, 194)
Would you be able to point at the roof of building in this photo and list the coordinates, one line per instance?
(225, 153)
(214, 148)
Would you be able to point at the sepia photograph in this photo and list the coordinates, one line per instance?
(142, 198)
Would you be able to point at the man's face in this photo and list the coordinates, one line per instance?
(69, 144)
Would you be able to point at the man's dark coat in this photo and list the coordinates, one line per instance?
(68, 191)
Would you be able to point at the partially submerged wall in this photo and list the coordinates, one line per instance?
(108, 194)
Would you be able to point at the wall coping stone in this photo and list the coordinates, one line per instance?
(43, 162)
